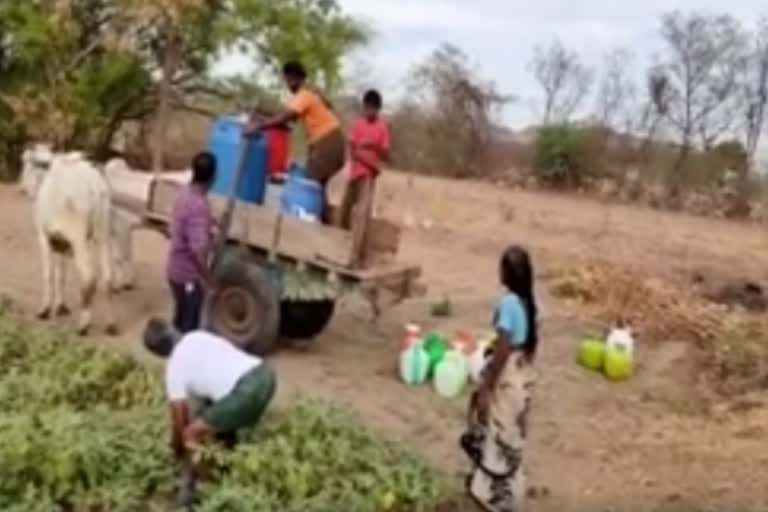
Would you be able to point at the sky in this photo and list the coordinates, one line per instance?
(499, 37)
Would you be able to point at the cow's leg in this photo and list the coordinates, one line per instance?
(46, 263)
(84, 265)
(118, 281)
(122, 249)
(129, 272)
(122, 252)
(105, 253)
(59, 284)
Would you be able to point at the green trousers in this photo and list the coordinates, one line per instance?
(245, 404)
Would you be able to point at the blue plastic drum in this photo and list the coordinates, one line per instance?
(302, 197)
(224, 142)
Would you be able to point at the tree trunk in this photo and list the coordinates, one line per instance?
(647, 147)
(675, 189)
(171, 60)
(754, 132)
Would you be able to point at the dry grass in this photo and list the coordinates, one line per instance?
(568, 228)
(730, 344)
(612, 260)
(659, 308)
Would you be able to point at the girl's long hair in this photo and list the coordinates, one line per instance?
(517, 275)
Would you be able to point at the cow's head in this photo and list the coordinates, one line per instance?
(36, 161)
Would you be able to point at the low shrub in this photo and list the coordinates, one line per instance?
(565, 154)
(85, 429)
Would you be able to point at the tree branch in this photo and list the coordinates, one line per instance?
(180, 105)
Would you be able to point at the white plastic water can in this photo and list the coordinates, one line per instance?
(414, 364)
(621, 338)
(476, 363)
(451, 375)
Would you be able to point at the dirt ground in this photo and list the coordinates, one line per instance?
(595, 445)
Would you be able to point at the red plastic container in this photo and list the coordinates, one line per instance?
(279, 142)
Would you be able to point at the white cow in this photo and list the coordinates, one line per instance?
(73, 215)
(37, 161)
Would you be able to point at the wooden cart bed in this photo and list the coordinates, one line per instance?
(287, 239)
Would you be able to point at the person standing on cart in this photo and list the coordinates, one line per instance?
(327, 144)
(369, 146)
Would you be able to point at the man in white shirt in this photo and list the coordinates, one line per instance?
(235, 386)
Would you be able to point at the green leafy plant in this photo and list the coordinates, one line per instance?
(84, 429)
(442, 308)
(563, 154)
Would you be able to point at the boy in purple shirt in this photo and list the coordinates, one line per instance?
(191, 233)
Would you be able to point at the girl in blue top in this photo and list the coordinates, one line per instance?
(502, 400)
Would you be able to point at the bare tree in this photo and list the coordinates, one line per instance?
(455, 110)
(756, 90)
(656, 107)
(616, 89)
(700, 76)
(566, 81)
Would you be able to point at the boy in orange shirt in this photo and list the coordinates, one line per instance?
(369, 144)
(327, 151)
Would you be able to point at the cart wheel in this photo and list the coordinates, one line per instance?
(245, 307)
(301, 320)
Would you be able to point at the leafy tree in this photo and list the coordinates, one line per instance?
(176, 38)
(315, 32)
(74, 70)
(564, 154)
(184, 36)
(63, 77)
